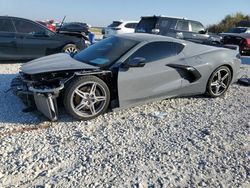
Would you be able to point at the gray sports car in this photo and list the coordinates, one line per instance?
(123, 71)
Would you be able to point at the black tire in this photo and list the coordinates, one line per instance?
(218, 85)
(89, 106)
(70, 49)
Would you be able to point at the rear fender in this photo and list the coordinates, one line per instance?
(207, 63)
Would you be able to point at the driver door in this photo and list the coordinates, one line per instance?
(153, 80)
(32, 39)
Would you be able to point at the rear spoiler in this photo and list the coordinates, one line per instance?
(232, 47)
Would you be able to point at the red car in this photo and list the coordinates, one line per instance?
(48, 25)
(242, 40)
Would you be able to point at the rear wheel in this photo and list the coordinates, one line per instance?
(219, 81)
(86, 97)
(70, 49)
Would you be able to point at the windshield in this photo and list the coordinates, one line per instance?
(105, 52)
(237, 30)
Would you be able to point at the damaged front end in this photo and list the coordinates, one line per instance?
(41, 91)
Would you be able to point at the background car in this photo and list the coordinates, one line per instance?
(243, 23)
(180, 28)
(119, 27)
(235, 30)
(74, 27)
(238, 30)
(125, 70)
(49, 25)
(242, 40)
(22, 39)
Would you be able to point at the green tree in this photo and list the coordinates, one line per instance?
(228, 22)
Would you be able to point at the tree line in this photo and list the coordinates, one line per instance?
(233, 20)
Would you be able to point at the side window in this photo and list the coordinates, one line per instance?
(27, 27)
(78, 26)
(158, 50)
(130, 25)
(134, 25)
(74, 26)
(172, 24)
(197, 27)
(69, 26)
(6, 26)
(164, 23)
(182, 25)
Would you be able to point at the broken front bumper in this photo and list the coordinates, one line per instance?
(43, 99)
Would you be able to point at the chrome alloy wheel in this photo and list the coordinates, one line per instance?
(71, 50)
(220, 81)
(88, 99)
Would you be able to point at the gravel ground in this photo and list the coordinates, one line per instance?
(183, 142)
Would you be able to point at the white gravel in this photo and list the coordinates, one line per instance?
(183, 142)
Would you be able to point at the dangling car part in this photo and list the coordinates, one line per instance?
(123, 71)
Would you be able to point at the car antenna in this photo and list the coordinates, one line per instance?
(62, 23)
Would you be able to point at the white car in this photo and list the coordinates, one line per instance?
(120, 27)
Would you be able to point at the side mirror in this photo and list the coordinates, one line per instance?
(135, 62)
(155, 31)
(202, 32)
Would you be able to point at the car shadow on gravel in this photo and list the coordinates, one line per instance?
(13, 61)
(11, 109)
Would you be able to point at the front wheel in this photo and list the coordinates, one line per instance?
(86, 97)
(70, 49)
(219, 81)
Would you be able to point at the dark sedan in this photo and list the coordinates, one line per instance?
(74, 27)
(22, 39)
(242, 40)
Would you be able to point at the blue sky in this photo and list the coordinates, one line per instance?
(101, 13)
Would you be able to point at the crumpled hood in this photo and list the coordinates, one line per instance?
(54, 63)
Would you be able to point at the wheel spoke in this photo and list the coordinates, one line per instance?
(92, 109)
(80, 93)
(223, 85)
(100, 98)
(93, 88)
(219, 75)
(214, 84)
(217, 89)
(224, 77)
(71, 50)
(80, 106)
